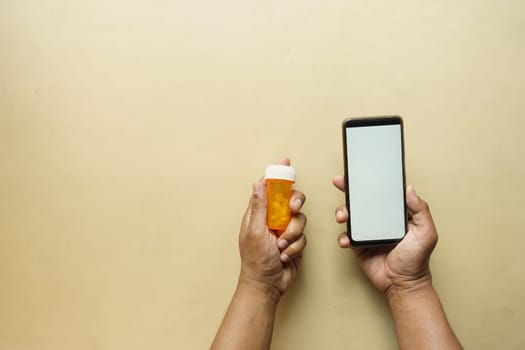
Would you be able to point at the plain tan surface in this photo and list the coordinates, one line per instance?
(130, 133)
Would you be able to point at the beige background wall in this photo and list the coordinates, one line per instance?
(130, 132)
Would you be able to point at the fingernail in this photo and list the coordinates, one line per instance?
(284, 257)
(339, 213)
(298, 203)
(283, 243)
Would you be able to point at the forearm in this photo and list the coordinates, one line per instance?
(420, 320)
(248, 323)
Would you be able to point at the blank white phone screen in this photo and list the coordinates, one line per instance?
(375, 182)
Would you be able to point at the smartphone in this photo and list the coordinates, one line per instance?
(375, 180)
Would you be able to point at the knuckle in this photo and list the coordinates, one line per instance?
(297, 247)
(303, 197)
(291, 251)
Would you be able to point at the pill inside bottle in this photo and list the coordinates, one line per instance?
(279, 181)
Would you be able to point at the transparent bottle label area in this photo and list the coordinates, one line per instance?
(278, 209)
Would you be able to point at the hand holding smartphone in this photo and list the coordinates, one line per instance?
(375, 180)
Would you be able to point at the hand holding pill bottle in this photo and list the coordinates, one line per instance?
(279, 181)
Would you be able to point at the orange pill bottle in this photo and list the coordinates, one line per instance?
(279, 181)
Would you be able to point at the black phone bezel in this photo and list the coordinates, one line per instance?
(373, 121)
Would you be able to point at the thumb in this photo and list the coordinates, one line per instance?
(417, 207)
(258, 206)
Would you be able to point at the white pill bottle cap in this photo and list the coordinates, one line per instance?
(280, 172)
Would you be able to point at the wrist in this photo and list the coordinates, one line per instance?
(263, 291)
(407, 289)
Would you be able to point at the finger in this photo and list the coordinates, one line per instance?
(246, 217)
(417, 207)
(294, 250)
(257, 215)
(296, 201)
(341, 214)
(343, 240)
(293, 231)
(339, 182)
